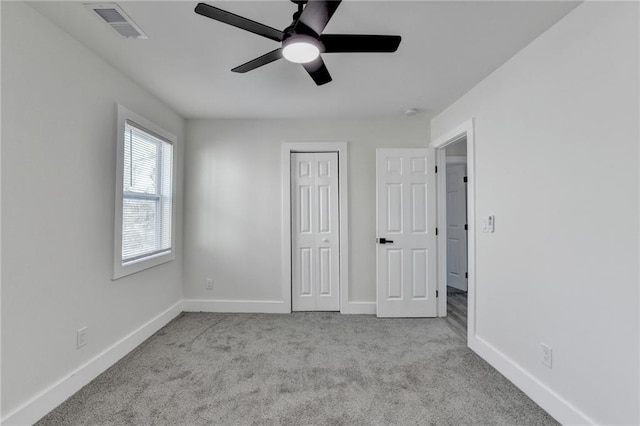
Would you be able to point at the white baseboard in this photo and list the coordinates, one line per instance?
(546, 398)
(263, 306)
(368, 308)
(238, 306)
(36, 408)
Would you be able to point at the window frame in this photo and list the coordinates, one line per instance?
(121, 269)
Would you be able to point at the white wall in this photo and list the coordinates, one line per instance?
(58, 176)
(557, 164)
(233, 200)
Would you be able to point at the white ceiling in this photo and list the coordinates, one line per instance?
(447, 47)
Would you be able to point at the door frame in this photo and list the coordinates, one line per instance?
(457, 159)
(466, 129)
(343, 197)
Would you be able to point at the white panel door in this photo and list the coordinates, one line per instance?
(315, 232)
(406, 244)
(456, 221)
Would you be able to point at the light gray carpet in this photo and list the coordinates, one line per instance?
(302, 368)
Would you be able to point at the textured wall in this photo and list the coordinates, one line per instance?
(233, 200)
(557, 164)
(58, 185)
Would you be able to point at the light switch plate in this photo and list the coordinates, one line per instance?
(489, 224)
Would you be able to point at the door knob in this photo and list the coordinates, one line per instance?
(325, 240)
(384, 241)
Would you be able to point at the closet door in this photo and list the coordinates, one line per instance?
(315, 232)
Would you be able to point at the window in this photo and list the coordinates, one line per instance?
(144, 195)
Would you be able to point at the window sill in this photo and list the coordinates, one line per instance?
(121, 270)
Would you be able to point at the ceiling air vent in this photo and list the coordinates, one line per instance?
(113, 15)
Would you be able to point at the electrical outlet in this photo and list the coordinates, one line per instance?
(81, 337)
(546, 355)
(209, 284)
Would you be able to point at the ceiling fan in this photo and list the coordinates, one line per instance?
(303, 41)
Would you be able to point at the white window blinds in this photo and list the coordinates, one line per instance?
(146, 194)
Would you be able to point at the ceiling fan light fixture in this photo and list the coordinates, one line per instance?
(303, 41)
(300, 49)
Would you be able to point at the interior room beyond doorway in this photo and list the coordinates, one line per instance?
(457, 242)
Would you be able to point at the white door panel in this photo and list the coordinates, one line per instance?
(406, 272)
(456, 221)
(315, 233)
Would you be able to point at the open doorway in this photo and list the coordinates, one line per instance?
(456, 267)
(456, 234)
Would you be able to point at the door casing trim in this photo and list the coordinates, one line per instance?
(343, 166)
(466, 129)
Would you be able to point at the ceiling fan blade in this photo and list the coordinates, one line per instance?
(318, 71)
(339, 43)
(265, 59)
(316, 14)
(239, 22)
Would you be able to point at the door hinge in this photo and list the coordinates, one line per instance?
(436, 169)
(466, 275)
(436, 293)
(464, 179)
(466, 227)
(436, 231)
